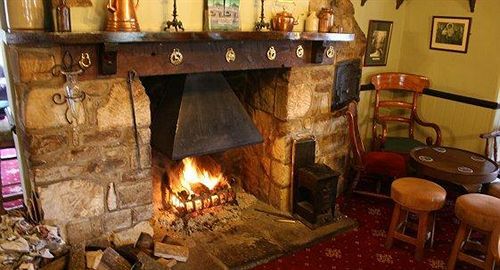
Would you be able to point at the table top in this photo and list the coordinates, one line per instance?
(454, 165)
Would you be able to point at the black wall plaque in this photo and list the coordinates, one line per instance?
(347, 79)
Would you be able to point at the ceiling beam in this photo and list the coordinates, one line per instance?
(363, 2)
(398, 3)
(472, 5)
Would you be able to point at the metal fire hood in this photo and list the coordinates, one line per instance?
(197, 114)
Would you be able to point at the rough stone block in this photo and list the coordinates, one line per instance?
(132, 194)
(117, 220)
(82, 230)
(117, 111)
(107, 165)
(294, 101)
(46, 174)
(70, 200)
(106, 137)
(137, 175)
(41, 115)
(36, 65)
(130, 236)
(42, 144)
(142, 213)
(281, 149)
(280, 198)
(281, 173)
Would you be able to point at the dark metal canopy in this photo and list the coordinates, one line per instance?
(197, 114)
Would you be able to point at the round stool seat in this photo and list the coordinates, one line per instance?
(418, 194)
(480, 211)
(494, 189)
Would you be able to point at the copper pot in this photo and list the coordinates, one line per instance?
(326, 20)
(121, 16)
(283, 21)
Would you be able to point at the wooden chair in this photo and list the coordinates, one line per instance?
(495, 245)
(380, 165)
(492, 144)
(414, 84)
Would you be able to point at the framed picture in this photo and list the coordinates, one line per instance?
(223, 15)
(450, 33)
(379, 39)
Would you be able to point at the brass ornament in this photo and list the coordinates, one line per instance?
(300, 51)
(176, 58)
(271, 53)
(230, 55)
(330, 53)
(85, 61)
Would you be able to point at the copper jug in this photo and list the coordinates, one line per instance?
(122, 17)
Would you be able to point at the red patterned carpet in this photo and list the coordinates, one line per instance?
(11, 181)
(363, 248)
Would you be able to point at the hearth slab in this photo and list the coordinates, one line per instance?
(256, 239)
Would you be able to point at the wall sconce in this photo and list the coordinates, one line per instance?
(73, 95)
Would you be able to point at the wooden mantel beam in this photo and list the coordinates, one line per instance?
(399, 3)
(363, 2)
(472, 5)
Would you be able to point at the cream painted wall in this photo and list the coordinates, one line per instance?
(475, 74)
(382, 10)
(472, 74)
(152, 14)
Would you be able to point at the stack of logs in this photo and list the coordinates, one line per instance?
(185, 203)
(145, 255)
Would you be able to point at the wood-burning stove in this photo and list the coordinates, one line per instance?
(314, 186)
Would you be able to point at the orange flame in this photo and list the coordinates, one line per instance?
(193, 174)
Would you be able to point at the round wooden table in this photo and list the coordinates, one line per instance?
(461, 167)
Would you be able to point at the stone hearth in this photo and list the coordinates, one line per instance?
(94, 179)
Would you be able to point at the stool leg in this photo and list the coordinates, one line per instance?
(490, 259)
(457, 246)
(423, 226)
(433, 228)
(394, 223)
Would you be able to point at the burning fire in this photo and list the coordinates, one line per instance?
(193, 175)
(194, 187)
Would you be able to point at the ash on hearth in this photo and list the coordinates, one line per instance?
(210, 219)
(24, 245)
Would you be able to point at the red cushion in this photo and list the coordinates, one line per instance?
(386, 164)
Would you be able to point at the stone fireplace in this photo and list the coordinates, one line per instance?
(94, 179)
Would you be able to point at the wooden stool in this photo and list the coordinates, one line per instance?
(477, 212)
(495, 245)
(417, 196)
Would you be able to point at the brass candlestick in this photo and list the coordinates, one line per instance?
(176, 24)
(262, 23)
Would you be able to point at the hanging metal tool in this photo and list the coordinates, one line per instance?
(130, 80)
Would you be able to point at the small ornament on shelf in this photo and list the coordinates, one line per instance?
(63, 15)
(262, 24)
(176, 24)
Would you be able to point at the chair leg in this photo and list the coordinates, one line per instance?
(457, 245)
(423, 226)
(394, 223)
(355, 181)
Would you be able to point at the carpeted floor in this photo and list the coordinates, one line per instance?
(364, 248)
(11, 180)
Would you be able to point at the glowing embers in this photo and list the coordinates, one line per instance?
(198, 183)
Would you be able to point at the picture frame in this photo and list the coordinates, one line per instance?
(378, 44)
(450, 33)
(222, 15)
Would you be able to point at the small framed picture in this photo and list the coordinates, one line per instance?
(223, 15)
(379, 39)
(450, 33)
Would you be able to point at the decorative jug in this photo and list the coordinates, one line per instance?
(122, 16)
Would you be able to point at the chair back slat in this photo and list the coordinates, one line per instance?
(358, 148)
(491, 139)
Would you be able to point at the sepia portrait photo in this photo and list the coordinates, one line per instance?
(450, 33)
(379, 39)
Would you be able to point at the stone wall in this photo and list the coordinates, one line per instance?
(288, 104)
(88, 176)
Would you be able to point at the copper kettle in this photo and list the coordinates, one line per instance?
(283, 21)
(122, 17)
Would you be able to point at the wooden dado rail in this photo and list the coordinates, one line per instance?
(187, 52)
(445, 95)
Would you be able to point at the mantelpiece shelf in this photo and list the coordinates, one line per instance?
(40, 38)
